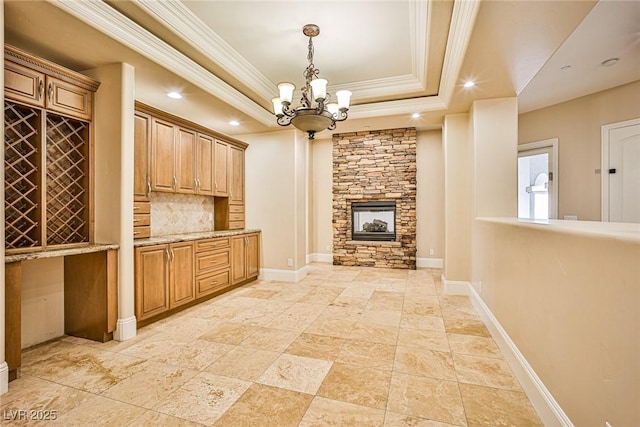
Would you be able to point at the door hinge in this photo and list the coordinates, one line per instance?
(550, 176)
(613, 170)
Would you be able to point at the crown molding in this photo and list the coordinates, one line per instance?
(102, 17)
(181, 21)
(462, 20)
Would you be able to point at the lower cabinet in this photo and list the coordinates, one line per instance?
(164, 278)
(245, 255)
(171, 275)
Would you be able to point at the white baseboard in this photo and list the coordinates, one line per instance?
(125, 329)
(4, 378)
(455, 287)
(316, 257)
(550, 413)
(429, 262)
(283, 275)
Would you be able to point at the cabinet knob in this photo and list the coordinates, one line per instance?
(50, 92)
(41, 89)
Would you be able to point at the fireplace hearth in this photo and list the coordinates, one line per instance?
(373, 221)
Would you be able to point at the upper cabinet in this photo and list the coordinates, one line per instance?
(221, 168)
(186, 158)
(48, 146)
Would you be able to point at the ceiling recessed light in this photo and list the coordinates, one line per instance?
(609, 62)
(174, 95)
(415, 115)
(469, 83)
(234, 123)
(565, 68)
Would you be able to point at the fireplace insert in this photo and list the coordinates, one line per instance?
(373, 221)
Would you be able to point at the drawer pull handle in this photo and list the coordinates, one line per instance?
(136, 232)
(137, 220)
(135, 208)
(214, 282)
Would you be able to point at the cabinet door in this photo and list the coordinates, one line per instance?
(221, 169)
(141, 145)
(181, 274)
(236, 193)
(238, 259)
(185, 161)
(23, 84)
(253, 255)
(68, 99)
(162, 156)
(204, 164)
(151, 281)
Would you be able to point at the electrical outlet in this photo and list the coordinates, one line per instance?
(289, 262)
(571, 217)
(431, 251)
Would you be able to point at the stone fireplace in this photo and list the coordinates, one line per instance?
(374, 198)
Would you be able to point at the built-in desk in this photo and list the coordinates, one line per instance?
(90, 295)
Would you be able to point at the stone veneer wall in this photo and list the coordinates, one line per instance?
(372, 166)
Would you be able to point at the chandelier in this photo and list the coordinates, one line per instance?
(306, 117)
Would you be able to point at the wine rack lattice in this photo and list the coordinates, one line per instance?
(67, 189)
(22, 141)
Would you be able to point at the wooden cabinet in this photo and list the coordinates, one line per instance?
(181, 274)
(185, 157)
(213, 261)
(236, 176)
(141, 147)
(164, 278)
(163, 174)
(204, 165)
(151, 281)
(221, 168)
(171, 276)
(141, 219)
(48, 148)
(245, 256)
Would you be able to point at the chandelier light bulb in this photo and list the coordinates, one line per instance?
(319, 88)
(277, 107)
(344, 97)
(333, 108)
(286, 92)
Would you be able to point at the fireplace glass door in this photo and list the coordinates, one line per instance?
(373, 220)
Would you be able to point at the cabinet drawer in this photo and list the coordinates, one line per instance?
(236, 209)
(141, 219)
(236, 225)
(141, 232)
(212, 244)
(236, 217)
(23, 84)
(208, 284)
(68, 99)
(206, 262)
(141, 208)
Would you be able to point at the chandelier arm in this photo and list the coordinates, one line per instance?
(287, 111)
(341, 115)
(284, 120)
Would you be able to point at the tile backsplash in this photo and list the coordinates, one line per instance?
(180, 213)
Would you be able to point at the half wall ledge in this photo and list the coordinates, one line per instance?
(373, 243)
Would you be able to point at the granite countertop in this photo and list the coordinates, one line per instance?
(186, 237)
(57, 252)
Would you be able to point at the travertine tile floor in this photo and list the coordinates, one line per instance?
(345, 347)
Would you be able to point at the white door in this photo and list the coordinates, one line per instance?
(621, 172)
(537, 175)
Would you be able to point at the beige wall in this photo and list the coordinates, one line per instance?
(494, 127)
(430, 194)
(457, 197)
(321, 183)
(571, 304)
(577, 125)
(270, 194)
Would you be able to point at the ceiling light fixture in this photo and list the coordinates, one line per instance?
(415, 115)
(565, 67)
(174, 95)
(306, 117)
(469, 84)
(610, 62)
(234, 123)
